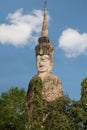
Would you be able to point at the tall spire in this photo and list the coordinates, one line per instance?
(44, 47)
(45, 22)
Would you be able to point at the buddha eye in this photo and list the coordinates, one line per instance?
(44, 60)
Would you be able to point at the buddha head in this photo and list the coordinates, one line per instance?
(44, 54)
(44, 64)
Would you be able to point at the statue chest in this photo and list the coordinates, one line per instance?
(51, 89)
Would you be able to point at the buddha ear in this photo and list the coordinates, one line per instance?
(51, 66)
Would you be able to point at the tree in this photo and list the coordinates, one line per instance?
(61, 114)
(57, 114)
(75, 115)
(84, 102)
(78, 110)
(13, 115)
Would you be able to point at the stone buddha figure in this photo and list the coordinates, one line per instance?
(52, 86)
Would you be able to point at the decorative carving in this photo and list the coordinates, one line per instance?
(52, 88)
(44, 49)
(42, 40)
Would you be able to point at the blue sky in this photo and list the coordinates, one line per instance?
(20, 26)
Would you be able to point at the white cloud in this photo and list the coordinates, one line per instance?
(22, 29)
(73, 43)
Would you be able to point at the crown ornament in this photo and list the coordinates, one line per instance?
(44, 47)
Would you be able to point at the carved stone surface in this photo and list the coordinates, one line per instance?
(52, 88)
(44, 49)
(42, 40)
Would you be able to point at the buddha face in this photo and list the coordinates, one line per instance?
(44, 64)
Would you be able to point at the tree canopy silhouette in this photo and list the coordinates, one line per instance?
(61, 114)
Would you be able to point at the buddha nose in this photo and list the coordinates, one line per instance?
(40, 63)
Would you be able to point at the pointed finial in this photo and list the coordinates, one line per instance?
(45, 22)
(44, 4)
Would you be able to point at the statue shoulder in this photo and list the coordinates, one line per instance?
(55, 78)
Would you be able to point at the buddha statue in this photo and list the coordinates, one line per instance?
(52, 85)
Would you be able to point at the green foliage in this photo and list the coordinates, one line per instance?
(78, 110)
(56, 112)
(37, 105)
(84, 102)
(13, 114)
(75, 115)
(84, 93)
(61, 114)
